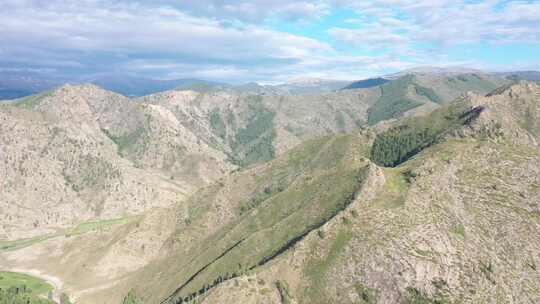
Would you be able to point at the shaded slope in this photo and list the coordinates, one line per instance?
(394, 100)
(366, 83)
(413, 92)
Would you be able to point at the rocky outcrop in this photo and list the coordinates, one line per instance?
(79, 153)
(512, 112)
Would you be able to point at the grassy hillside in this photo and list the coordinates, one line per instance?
(395, 99)
(471, 82)
(437, 218)
(291, 196)
(411, 91)
(16, 288)
(397, 241)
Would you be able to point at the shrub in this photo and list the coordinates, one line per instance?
(131, 298)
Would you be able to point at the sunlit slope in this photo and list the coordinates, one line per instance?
(454, 223)
(418, 91)
(254, 216)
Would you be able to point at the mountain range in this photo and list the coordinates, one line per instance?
(418, 187)
(17, 84)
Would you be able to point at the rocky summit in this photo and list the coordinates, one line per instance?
(422, 188)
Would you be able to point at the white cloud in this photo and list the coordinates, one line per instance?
(228, 40)
(443, 22)
(375, 36)
(253, 10)
(168, 43)
(135, 28)
(101, 33)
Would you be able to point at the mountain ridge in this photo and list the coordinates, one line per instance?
(20, 84)
(180, 187)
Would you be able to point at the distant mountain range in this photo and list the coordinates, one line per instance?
(521, 75)
(311, 86)
(440, 71)
(135, 86)
(366, 83)
(19, 84)
(16, 85)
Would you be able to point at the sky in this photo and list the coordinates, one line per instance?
(263, 40)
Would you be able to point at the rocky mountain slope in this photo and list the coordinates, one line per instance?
(68, 156)
(251, 128)
(323, 223)
(228, 197)
(454, 224)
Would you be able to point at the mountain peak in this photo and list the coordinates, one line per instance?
(509, 112)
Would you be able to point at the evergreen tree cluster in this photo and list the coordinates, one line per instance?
(400, 143)
(396, 146)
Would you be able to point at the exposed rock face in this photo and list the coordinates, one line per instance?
(512, 112)
(70, 156)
